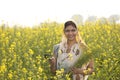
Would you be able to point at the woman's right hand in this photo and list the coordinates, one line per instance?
(52, 61)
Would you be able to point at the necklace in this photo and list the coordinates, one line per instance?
(68, 49)
(69, 46)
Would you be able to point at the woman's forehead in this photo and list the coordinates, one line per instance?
(70, 27)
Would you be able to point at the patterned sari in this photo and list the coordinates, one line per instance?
(67, 60)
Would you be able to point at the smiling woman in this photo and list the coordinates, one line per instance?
(67, 53)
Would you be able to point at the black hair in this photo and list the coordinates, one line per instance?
(68, 23)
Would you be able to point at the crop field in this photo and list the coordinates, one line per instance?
(24, 52)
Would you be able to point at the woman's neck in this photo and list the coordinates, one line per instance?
(70, 43)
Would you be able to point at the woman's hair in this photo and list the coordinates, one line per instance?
(68, 23)
(78, 37)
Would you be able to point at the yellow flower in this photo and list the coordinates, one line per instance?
(2, 35)
(31, 51)
(60, 72)
(40, 70)
(10, 75)
(24, 70)
(97, 69)
(93, 73)
(18, 34)
(70, 56)
(3, 68)
(29, 78)
(89, 69)
(25, 54)
(60, 52)
(85, 71)
(38, 57)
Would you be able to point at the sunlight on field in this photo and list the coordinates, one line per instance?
(22, 51)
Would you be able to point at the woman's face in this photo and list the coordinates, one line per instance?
(70, 32)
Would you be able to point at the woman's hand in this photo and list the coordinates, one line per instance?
(52, 61)
(77, 70)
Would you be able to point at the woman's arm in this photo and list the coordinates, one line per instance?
(90, 67)
(77, 71)
(87, 71)
(53, 64)
(53, 60)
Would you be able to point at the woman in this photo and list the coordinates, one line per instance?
(68, 52)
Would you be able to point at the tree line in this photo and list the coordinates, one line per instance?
(113, 19)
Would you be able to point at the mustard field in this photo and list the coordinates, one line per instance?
(24, 52)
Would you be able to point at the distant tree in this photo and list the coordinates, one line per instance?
(103, 20)
(91, 19)
(78, 19)
(114, 18)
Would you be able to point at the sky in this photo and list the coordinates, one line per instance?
(32, 12)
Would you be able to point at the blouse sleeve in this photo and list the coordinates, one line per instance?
(55, 50)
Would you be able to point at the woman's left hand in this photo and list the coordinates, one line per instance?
(77, 70)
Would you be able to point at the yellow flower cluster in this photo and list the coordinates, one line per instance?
(22, 51)
(2, 68)
(87, 71)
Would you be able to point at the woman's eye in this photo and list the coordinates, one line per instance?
(73, 30)
(67, 30)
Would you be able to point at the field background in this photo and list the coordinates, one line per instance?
(22, 50)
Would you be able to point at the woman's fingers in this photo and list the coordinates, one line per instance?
(73, 69)
(52, 60)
